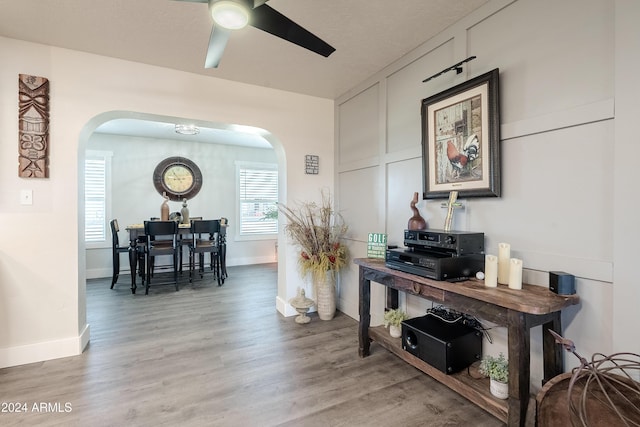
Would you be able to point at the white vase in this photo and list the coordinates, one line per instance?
(395, 331)
(325, 286)
(498, 389)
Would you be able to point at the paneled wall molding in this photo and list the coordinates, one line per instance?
(383, 107)
(582, 115)
(357, 91)
(363, 141)
(360, 164)
(591, 269)
(578, 116)
(409, 153)
(554, 106)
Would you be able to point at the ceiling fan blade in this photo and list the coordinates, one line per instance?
(273, 22)
(217, 43)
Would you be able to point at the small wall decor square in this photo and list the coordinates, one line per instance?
(311, 164)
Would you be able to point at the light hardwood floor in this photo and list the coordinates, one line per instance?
(223, 356)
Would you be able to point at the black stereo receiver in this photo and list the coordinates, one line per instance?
(434, 265)
(452, 242)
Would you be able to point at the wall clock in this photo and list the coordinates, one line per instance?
(178, 177)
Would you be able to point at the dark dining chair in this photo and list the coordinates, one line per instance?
(162, 239)
(184, 240)
(205, 239)
(116, 250)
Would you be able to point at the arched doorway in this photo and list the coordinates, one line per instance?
(136, 170)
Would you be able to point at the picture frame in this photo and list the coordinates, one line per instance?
(461, 139)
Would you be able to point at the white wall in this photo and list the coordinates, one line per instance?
(134, 197)
(565, 202)
(42, 254)
(626, 292)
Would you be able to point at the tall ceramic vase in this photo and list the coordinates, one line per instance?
(164, 208)
(325, 285)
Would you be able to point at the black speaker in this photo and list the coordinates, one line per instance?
(562, 283)
(448, 347)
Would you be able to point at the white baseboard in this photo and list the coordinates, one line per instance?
(85, 336)
(285, 308)
(99, 273)
(31, 353)
(231, 262)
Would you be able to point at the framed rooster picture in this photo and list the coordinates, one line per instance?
(461, 139)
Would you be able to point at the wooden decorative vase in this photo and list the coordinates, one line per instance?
(416, 222)
(164, 209)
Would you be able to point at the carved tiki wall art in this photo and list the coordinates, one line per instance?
(33, 126)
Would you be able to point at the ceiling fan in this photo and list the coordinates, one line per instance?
(229, 15)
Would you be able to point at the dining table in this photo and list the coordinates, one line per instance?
(136, 242)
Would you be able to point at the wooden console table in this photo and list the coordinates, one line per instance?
(518, 310)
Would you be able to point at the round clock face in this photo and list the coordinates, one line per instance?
(177, 177)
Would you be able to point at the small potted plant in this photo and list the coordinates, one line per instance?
(497, 369)
(393, 319)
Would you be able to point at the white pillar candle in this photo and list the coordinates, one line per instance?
(504, 253)
(491, 271)
(515, 273)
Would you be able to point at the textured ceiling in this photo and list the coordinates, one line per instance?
(368, 35)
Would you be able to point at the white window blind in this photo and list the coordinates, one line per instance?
(95, 204)
(258, 195)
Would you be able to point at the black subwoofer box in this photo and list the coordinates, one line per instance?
(448, 347)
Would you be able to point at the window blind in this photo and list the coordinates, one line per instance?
(95, 178)
(258, 194)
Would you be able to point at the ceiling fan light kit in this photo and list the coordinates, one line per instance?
(187, 129)
(257, 14)
(229, 14)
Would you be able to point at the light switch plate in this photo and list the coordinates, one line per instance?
(26, 197)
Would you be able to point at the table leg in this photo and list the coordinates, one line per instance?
(365, 315)
(392, 298)
(223, 260)
(552, 352)
(133, 261)
(519, 343)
